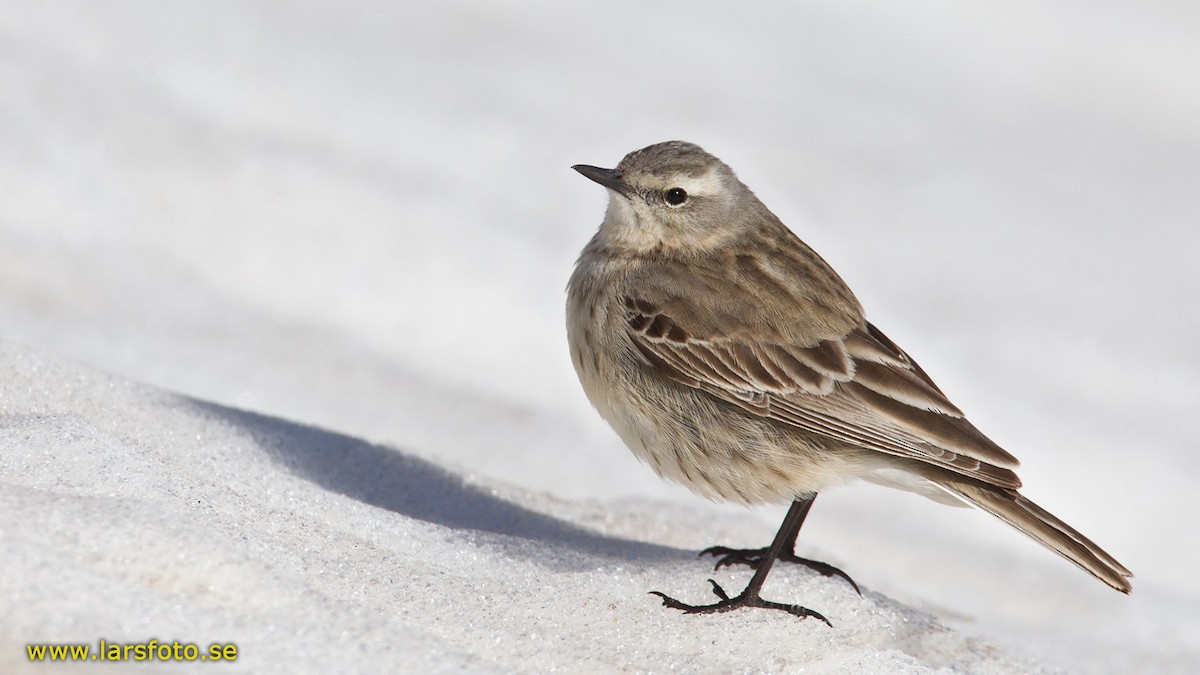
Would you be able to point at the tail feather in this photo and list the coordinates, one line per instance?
(1040, 525)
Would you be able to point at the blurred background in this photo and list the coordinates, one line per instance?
(361, 215)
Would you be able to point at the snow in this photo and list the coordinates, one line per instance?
(282, 359)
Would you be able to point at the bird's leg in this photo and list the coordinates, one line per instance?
(750, 597)
(752, 557)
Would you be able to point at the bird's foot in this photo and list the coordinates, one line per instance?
(752, 557)
(746, 599)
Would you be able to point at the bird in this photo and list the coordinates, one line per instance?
(731, 358)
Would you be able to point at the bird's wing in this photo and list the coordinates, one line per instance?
(858, 388)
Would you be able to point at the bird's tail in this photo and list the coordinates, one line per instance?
(1040, 525)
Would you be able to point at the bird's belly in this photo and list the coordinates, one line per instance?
(716, 449)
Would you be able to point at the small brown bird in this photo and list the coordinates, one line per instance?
(733, 359)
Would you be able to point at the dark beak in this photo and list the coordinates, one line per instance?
(609, 178)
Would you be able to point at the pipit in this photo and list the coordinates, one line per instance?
(733, 360)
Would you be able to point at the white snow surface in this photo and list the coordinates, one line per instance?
(282, 358)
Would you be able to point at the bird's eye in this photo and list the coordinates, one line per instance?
(675, 196)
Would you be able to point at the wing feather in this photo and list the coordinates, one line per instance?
(860, 389)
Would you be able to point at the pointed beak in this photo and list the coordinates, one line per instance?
(609, 178)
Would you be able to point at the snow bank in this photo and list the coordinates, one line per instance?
(131, 514)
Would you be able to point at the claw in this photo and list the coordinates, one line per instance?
(752, 557)
(744, 600)
(718, 591)
(823, 568)
(716, 551)
(668, 601)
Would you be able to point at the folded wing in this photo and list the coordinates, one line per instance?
(859, 389)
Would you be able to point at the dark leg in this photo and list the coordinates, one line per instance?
(749, 597)
(753, 556)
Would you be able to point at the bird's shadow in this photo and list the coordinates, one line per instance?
(413, 487)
